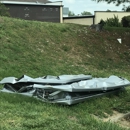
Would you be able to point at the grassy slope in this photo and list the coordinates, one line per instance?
(37, 49)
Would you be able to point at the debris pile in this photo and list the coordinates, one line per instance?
(64, 89)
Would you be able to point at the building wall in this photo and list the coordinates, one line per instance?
(95, 20)
(82, 21)
(35, 12)
(61, 14)
(104, 15)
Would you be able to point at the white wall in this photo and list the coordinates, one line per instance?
(104, 15)
(82, 21)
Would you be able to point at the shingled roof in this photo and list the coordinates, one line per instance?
(40, 1)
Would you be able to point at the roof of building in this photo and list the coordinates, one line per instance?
(32, 2)
(79, 17)
(40, 1)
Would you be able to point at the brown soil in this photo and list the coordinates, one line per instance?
(121, 119)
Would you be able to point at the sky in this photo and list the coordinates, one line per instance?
(78, 6)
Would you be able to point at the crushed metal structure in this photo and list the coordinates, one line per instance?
(64, 89)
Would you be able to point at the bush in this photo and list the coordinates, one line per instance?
(3, 10)
(126, 21)
(112, 22)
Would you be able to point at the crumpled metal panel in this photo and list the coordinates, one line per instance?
(74, 98)
(95, 84)
(64, 89)
(63, 79)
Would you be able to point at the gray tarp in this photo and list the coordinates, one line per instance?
(65, 89)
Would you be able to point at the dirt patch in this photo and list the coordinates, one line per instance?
(121, 119)
(125, 120)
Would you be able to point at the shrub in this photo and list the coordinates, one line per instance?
(112, 22)
(126, 21)
(3, 10)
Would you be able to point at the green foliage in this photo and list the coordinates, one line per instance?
(102, 22)
(113, 22)
(3, 10)
(108, 10)
(117, 3)
(71, 13)
(126, 21)
(86, 13)
(126, 8)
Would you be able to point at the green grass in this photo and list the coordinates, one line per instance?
(20, 112)
(39, 48)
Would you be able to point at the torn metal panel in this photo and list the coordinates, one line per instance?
(94, 84)
(63, 79)
(62, 97)
(79, 97)
(29, 93)
(64, 89)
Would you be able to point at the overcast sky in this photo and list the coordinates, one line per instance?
(78, 6)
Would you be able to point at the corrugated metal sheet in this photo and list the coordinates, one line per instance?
(40, 1)
(64, 89)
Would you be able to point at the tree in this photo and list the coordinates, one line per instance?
(117, 3)
(126, 9)
(108, 10)
(3, 10)
(85, 13)
(71, 13)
